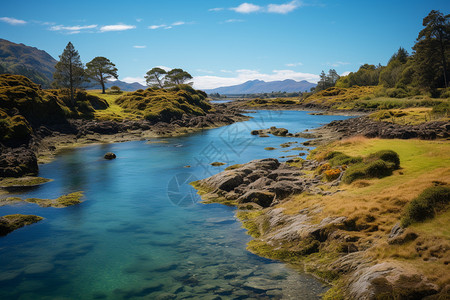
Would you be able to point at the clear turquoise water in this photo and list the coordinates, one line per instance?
(141, 233)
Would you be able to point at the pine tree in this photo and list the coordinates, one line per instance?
(432, 51)
(101, 69)
(69, 71)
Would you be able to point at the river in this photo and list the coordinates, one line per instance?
(141, 232)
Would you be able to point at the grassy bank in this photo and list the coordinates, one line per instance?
(371, 207)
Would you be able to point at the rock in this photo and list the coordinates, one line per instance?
(17, 162)
(10, 223)
(260, 197)
(110, 156)
(278, 131)
(399, 236)
(388, 279)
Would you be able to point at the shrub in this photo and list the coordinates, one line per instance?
(332, 174)
(376, 165)
(387, 156)
(426, 205)
(336, 158)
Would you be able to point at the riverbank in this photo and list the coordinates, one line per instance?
(307, 212)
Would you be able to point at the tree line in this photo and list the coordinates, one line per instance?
(425, 69)
(71, 74)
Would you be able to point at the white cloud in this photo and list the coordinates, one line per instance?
(178, 23)
(294, 64)
(234, 21)
(337, 64)
(204, 71)
(164, 68)
(141, 80)
(76, 28)
(246, 8)
(157, 26)
(283, 8)
(216, 9)
(226, 71)
(139, 47)
(13, 21)
(138, 20)
(210, 82)
(164, 26)
(345, 73)
(118, 27)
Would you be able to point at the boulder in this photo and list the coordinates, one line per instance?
(260, 197)
(389, 280)
(110, 156)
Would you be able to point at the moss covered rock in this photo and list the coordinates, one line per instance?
(166, 105)
(10, 223)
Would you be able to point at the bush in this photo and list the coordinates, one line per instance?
(336, 158)
(376, 165)
(332, 174)
(426, 205)
(387, 156)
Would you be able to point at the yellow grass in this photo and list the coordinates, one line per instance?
(114, 111)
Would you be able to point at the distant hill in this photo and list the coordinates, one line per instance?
(31, 62)
(260, 86)
(124, 86)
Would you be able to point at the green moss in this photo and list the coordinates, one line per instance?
(22, 181)
(431, 201)
(165, 105)
(232, 167)
(270, 148)
(63, 201)
(217, 164)
(10, 223)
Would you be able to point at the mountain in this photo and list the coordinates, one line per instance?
(31, 62)
(260, 86)
(124, 86)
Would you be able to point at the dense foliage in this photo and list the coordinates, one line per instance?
(426, 70)
(160, 78)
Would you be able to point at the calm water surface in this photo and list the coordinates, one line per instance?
(141, 233)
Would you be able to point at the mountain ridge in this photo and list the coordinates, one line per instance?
(260, 86)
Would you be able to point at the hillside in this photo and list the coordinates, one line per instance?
(31, 62)
(260, 86)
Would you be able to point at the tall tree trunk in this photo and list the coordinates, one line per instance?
(102, 81)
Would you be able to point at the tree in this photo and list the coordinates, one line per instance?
(391, 75)
(69, 71)
(177, 76)
(101, 69)
(115, 89)
(432, 50)
(156, 77)
(327, 81)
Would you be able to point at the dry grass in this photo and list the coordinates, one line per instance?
(377, 204)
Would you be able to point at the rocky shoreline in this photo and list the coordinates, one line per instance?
(257, 187)
(22, 158)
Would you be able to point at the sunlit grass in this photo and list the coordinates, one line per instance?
(114, 111)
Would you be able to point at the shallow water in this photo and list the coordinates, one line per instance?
(141, 233)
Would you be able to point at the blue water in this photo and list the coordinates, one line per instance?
(141, 232)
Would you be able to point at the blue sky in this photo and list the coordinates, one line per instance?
(222, 42)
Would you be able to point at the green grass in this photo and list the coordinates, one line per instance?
(114, 111)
